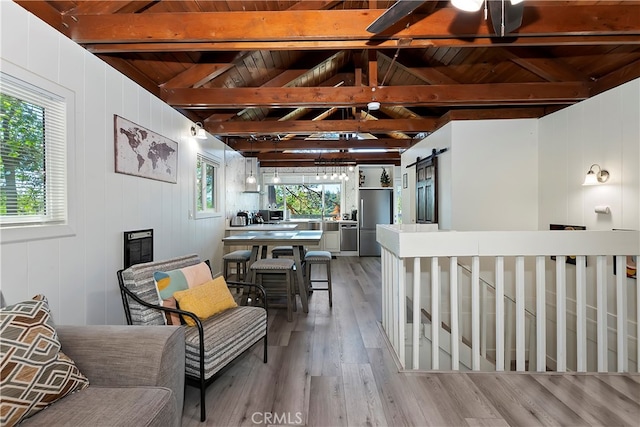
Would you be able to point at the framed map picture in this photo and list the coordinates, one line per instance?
(144, 153)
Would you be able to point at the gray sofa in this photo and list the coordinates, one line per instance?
(136, 376)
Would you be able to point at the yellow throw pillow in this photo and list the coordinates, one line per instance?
(205, 300)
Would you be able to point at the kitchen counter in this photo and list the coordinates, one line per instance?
(264, 227)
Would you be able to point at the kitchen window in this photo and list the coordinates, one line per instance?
(306, 201)
(207, 184)
(36, 171)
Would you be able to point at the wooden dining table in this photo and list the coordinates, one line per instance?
(260, 240)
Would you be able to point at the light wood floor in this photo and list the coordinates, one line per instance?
(332, 367)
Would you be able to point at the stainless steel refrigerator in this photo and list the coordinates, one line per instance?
(376, 207)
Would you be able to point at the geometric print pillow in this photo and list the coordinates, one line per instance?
(35, 373)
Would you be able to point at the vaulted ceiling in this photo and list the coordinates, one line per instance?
(275, 77)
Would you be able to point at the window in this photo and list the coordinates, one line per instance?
(206, 196)
(307, 201)
(34, 167)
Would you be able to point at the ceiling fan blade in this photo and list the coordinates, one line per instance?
(512, 16)
(396, 12)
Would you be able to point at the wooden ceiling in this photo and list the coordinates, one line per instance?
(271, 77)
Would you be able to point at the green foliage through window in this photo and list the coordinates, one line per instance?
(22, 158)
(308, 201)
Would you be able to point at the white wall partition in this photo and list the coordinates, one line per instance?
(487, 178)
(78, 273)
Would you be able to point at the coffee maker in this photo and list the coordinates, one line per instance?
(354, 215)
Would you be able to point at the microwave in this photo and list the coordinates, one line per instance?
(272, 215)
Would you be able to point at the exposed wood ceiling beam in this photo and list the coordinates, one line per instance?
(198, 74)
(330, 25)
(549, 69)
(309, 127)
(319, 144)
(616, 78)
(382, 157)
(235, 45)
(493, 114)
(310, 162)
(430, 95)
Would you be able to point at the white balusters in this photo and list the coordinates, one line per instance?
(621, 309)
(601, 292)
(454, 304)
(520, 319)
(499, 313)
(581, 313)
(475, 313)
(402, 309)
(511, 311)
(561, 313)
(435, 314)
(541, 317)
(417, 324)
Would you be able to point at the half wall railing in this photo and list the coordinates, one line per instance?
(557, 303)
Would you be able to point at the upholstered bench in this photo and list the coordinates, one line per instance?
(212, 343)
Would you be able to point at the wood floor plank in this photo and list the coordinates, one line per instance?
(325, 353)
(594, 410)
(467, 397)
(438, 408)
(293, 380)
(625, 408)
(399, 403)
(363, 404)
(511, 407)
(623, 384)
(548, 411)
(327, 405)
(486, 422)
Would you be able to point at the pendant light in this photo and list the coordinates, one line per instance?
(250, 179)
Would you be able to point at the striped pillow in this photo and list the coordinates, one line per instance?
(35, 373)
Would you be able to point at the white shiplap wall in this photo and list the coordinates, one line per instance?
(78, 274)
(605, 130)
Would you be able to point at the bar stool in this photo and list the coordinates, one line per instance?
(279, 251)
(320, 258)
(263, 272)
(240, 258)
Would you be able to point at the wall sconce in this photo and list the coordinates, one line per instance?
(594, 178)
(198, 131)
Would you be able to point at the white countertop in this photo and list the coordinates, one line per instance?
(264, 227)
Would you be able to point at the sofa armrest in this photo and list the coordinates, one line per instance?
(116, 355)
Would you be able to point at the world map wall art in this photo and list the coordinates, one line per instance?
(144, 153)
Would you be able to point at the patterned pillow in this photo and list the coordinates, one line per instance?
(35, 373)
(169, 282)
(205, 300)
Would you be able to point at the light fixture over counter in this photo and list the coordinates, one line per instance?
(594, 178)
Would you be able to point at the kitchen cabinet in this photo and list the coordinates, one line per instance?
(331, 241)
(331, 236)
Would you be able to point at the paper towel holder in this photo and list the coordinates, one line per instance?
(602, 209)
